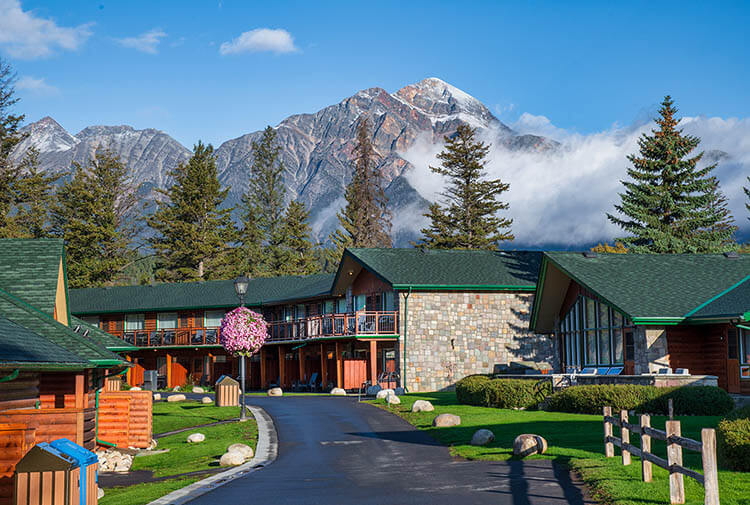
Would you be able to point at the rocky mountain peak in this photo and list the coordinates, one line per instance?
(45, 135)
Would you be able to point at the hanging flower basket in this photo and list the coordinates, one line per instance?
(243, 332)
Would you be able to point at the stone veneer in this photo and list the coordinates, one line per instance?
(454, 334)
(651, 351)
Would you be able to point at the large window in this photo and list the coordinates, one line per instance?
(212, 318)
(134, 322)
(166, 320)
(593, 334)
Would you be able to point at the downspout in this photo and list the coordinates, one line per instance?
(13, 375)
(98, 390)
(406, 320)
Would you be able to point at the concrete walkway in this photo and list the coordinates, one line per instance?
(336, 451)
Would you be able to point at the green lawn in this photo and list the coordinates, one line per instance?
(177, 415)
(574, 440)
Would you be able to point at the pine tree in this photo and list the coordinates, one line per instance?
(365, 221)
(193, 233)
(249, 258)
(95, 214)
(747, 193)
(35, 195)
(469, 219)
(669, 204)
(10, 136)
(297, 251)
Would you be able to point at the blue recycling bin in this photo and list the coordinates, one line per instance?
(87, 461)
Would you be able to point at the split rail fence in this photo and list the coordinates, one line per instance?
(709, 479)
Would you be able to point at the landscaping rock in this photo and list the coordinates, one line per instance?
(384, 393)
(135, 388)
(176, 388)
(445, 420)
(176, 398)
(527, 444)
(422, 406)
(243, 449)
(338, 392)
(153, 444)
(99, 493)
(114, 461)
(157, 397)
(482, 437)
(393, 400)
(373, 390)
(194, 438)
(206, 400)
(232, 458)
(198, 389)
(275, 392)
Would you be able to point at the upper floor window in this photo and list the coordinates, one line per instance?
(92, 320)
(134, 322)
(166, 320)
(212, 318)
(744, 346)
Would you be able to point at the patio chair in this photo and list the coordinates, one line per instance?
(310, 386)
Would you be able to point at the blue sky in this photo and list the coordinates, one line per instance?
(583, 65)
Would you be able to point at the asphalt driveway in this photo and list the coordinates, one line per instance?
(337, 451)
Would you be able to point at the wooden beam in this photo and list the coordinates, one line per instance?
(301, 360)
(169, 371)
(81, 391)
(263, 368)
(129, 374)
(282, 366)
(339, 365)
(323, 367)
(373, 362)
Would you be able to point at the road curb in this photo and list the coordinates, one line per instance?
(266, 451)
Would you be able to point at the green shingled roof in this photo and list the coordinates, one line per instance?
(23, 314)
(654, 286)
(436, 268)
(196, 295)
(29, 269)
(101, 337)
(20, 347)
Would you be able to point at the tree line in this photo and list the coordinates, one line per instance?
(669, 205)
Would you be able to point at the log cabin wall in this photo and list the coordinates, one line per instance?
(15, 441)
(125, 418)
(20, 393)
(367, 283)
(702, 349)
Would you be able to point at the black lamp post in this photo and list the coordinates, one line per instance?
(240, 287)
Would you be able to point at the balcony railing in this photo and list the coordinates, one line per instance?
(181, 336)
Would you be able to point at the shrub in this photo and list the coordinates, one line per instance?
(741, 413)
(687, 400)
(483, 391)
(734, 443)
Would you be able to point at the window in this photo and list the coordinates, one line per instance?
(744, 346)
(360, 302)
(212, 318)
(341, 306)
(92, 320)
(389, 302)
(328, 307)
(134, 322)
(166, 321)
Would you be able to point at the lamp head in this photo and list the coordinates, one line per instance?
(240, 285)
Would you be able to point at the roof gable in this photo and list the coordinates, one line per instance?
(30, 268)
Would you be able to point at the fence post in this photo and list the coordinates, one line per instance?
(646, 471)
(711, 478)
(625, 437)
(674, 458)
(609, 447)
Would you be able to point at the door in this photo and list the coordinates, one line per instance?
(733, 362)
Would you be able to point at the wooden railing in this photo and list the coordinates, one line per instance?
(333, 325)
(180, 336)
(675, 443)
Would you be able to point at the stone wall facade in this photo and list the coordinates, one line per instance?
(449, 335)
(651, 350)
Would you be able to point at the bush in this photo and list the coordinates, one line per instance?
(483, 391)
(687, 400)
(734, 442)
(742, 413)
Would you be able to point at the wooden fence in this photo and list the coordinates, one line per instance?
(125, 418)
(709, 479)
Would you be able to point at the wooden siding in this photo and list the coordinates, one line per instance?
(15, 441)
(21, 393)
(367, 283)
(125, 418)
(77, 425)
(701, 349)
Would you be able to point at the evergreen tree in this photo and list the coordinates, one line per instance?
(9, 138)
(95, 215)
(297, 251)
(747, 192)
(365, 221)
(469, 219)
(249, 258)
(193, 233)
(670, 205)
(35, 195)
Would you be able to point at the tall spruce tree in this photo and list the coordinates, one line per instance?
(297, 250)
(10, 136)
(365, 221)
(469, 219)
(669, 204)
(747, 193)
(35, 196)
(194, 233)
(95, 214)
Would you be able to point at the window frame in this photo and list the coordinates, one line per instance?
(130, 317)
(159, 320)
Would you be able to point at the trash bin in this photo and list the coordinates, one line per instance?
(149, 380)
(57, 473)
(227, 392)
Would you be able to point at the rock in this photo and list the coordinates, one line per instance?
(157, 396)
(244, 449)
(99, 493)
(445, 420)
(275, 392)
(393, 400)
(422, 406)
(482, 437)
(198, 389)
(206, 400)
(384, 393)
(194, 438)
(122, 468)
(136, 388)
(176, 398)
(527, 444)
(176, 388)
(153, 444)
(373, 390)
(232, 458)
(338, 392)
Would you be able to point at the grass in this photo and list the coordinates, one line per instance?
(182, 456)
(574, 440)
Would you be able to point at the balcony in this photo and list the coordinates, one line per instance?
(176, 337)
(361, 323)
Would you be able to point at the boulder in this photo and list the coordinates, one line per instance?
(99, 493)
(198, 389)
(122, 468)
(338, 392)
(373, 390)
(232, 458)
(194, 438)
(527, 444)
(244, 449)
(384, 393)
(135, 388)
(275, 392)
(176, 388)
(157, 397)
(206, 400)
(422, 406)
(176, 398)
(393, 400)
(482, 437)
(445, 420)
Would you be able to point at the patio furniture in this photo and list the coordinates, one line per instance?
(310, 386)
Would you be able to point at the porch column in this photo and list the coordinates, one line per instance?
(301, 359)
(129, 373)
(339, 365)
(282, 366)
(374, 362)
(169, 371)
(323, 367)
(80, 398)
(263, 368)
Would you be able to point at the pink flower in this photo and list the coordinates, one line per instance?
(243, 332)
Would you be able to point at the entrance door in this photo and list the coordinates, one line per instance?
(733, 362)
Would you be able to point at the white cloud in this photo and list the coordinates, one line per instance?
(36, 85)
(561, 198)
(145, 42)
(23, 35)
(260, 40)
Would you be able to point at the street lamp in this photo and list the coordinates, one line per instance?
(240, 287)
